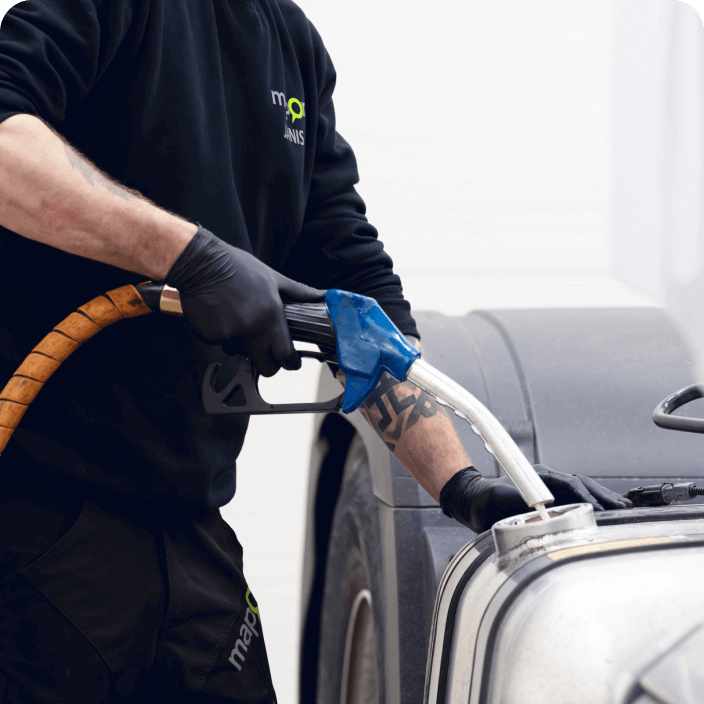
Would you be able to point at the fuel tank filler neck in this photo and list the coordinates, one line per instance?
(523, 535)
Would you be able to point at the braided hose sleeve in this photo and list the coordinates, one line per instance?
(57, 346)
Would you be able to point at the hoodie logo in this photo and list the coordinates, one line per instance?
(291, 103)
(296, 110)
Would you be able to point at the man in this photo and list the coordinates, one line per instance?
(205, 155)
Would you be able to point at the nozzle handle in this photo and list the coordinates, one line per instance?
(350, 330)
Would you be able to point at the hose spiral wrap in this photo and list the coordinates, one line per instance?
(59, 345)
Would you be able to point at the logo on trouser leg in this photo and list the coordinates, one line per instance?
(247, 630)
(251, 602)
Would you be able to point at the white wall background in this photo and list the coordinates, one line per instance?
(483, 135)
(658, 160)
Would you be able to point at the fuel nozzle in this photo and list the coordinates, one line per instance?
(663, 494)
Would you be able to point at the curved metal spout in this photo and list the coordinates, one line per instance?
(496, 440)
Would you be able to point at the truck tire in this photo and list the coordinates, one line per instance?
(350, 662)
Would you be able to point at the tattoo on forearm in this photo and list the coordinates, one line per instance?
(92, 175)
(390, 408)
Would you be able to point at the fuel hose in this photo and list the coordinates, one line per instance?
(58, 346)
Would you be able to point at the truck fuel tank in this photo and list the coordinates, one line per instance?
(588, 610)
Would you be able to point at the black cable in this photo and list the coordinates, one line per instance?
(664, 494)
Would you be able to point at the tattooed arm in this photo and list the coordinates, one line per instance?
(52, 194)
(417, 429)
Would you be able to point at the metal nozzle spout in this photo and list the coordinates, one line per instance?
(497, 441)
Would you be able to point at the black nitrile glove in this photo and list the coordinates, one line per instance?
(478, 503)
(574, 488)
(231, 298)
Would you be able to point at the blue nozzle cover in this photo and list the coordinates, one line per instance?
(368, 344)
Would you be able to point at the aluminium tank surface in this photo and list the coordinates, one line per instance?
(570, 625)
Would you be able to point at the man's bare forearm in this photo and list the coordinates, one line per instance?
(52, 194)
(417, 429)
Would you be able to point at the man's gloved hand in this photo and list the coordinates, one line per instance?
(231, 298)
(573, 488)
(478, 503)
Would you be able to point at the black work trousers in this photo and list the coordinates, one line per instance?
(128, 609)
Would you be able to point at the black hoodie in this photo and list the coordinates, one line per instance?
(220, 111)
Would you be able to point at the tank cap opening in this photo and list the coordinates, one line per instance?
(527, 533)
